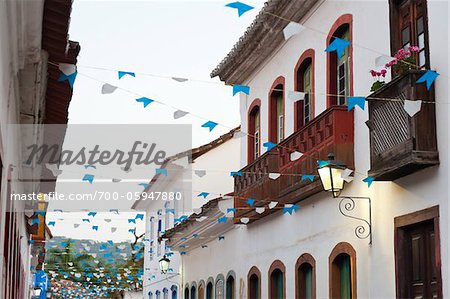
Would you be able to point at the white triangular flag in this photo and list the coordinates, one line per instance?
(113, 229)
(295, 156)
(412, 107)
(200, 173)
(274, 175)
(76, 225)
(67, 69)
(348, 179)
(179, 114)
(292, 29)
(346, 173)
(107, 220)
(245, 220)
(273, 204)
(178, 79)
(381, 61)
(108, 88)
(239, 134)
(295, 96)
(260, 210)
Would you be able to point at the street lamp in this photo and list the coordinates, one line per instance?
(330, 173)
(164, 264)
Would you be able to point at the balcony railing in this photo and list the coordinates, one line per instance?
(330, 132)
(400, 144)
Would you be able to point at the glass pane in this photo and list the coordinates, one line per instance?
(433, 258)
(405, 36)
(422, 58)
(421, 40)
(419, 23)
(415, 252)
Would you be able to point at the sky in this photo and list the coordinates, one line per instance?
(157, 40)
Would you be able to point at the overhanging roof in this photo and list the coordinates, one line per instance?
(261, 39)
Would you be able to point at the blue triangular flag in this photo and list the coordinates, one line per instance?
(209, 124)
(356, 101)
(241, 88)
(161, 171)
(92, 214)
(139, 216)
(308, 177)
(203, 194)
(131, 220)
(338, 45)
(144, 100)
(70, 78)
(428, 77)
(88, 178)
(369, 180)
(250, 201)
(122, 73)
(51, 223)
(269, 145)
(322, 163)
(236, 173)
(95, 227)
(222, 219)
(241, 7)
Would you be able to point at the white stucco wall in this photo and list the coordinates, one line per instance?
(318, 226)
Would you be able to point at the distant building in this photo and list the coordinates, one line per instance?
(33, 41)
(317, 252)
(216, 158)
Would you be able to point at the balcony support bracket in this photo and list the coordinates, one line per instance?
(346, 207)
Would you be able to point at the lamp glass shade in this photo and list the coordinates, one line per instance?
(37, 292)
(164, 264)
(331, 178)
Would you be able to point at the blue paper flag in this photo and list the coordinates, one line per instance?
(241, 88)
(40, 213)
(131, 220)
(161, 171)
(145, 185)
(308, 177)
(88, 178)
(172, 211)
(51, 223)
(132, 230)
(182, 252)
(290, 209)
(95, 227)
(181, 219)
(203, 194)
(209, 124)
(70, 78)
(139, 216)
(92, 214)
(269, 145)
(369, 180)
(221, 238)
(428, 77)
(86, 220)
(250, 201)
(195, 235)
(356, 101)
(236, 173)
(231, 210)
(145, 101)
(35, 221)
(90, 166)
(338, 45)
(111, 242)
(222, 219)
(122, 73)
(322, 163)
(241, 7)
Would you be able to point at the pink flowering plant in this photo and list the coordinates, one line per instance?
(403, 61)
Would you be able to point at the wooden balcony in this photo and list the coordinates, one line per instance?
(400, 144)
(329, 132)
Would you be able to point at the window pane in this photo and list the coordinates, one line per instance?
(308, 283)
(422, 58)
(419, 25)
(421, 41)
(345, 278)
(405, 36)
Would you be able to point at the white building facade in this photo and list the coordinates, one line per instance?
(317, 252)
(164, 215)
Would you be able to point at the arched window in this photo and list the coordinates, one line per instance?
(230, 286)
(209, 290)
(158, 294)
(343, 272)
(276, 111)
(174, 290)
(254, 131)
(304, 82)
(340, 69)
(277, 280)
(193, 292)
(150, 295)
(186, 292)
(219, 289)
(201, 290)
(165, 293)
(254, 283)
(305, 277)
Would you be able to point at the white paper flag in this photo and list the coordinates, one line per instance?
(274, 175)
(67, 69)
(295, 155)
(260, 210)
(108, 88)
(200, 173)
(179, 114)
(295, 96)
(245, 220)
(292, 29)
(273, 204)
(412, 107)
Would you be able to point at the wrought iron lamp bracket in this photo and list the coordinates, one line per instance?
(347, 205)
